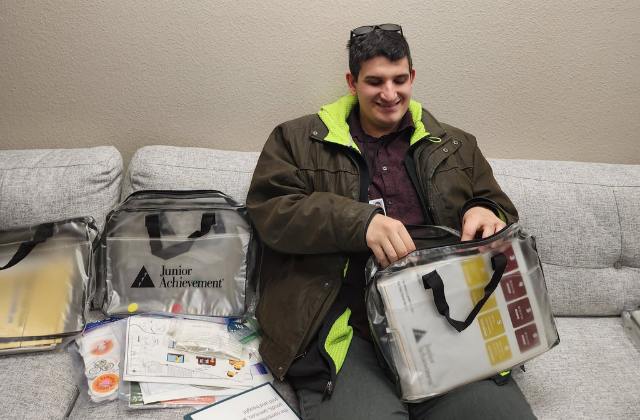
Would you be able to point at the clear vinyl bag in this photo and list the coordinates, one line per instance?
(185, 252)
(45, 283)
(453, 312)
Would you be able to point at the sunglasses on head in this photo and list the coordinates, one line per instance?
(363, 30)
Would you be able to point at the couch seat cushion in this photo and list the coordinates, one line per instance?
(593, 373)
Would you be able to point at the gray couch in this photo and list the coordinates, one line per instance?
(586, 217)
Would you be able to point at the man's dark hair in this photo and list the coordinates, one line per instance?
(389, 44)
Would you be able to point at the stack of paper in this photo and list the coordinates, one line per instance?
(174, 359)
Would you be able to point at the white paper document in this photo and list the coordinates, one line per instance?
(155, 353)
(261, 403)
(154, 391)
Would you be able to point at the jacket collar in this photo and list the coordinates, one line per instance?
(334, 116)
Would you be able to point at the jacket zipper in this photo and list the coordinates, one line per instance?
(361, 164)
(410, 166)
(363, 167)
(363, 193)
(364, 181)
(317, 321)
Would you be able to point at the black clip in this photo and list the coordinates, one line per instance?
(502, 377)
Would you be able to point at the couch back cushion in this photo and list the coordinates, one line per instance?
(42, 185)
(190, 168)
(586, 218)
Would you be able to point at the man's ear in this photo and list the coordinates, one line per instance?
(351, 82)
(413, 75)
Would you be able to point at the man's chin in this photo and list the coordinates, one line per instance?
(389, 120)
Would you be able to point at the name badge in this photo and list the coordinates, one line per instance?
(379, 202)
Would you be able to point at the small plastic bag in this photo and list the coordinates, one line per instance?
(98, 355)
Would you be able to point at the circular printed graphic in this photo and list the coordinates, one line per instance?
(176, 308)
(102, 347)
(99, 366)
(132, 307)
(106, 383)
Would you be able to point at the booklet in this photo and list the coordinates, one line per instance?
(259, 403)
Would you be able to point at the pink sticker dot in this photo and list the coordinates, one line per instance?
(176, 308)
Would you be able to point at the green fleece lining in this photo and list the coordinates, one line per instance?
(501, 215)
(334, 116)
(338, 340)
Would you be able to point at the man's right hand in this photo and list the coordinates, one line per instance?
(388, 239)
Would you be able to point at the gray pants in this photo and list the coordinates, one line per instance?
(362, 391)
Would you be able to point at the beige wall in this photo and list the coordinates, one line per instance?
(546, 80)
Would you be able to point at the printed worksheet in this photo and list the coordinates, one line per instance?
(152, 392)
(185, 351)
(260, 403)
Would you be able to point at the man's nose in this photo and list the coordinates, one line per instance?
(388, 92)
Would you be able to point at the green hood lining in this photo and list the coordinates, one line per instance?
(334, 116)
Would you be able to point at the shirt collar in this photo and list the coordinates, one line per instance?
(357, 132)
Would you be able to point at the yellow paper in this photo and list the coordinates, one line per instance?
(491, 324)
(34, 298)
(498, 350)
(478, 294)
(475, 272)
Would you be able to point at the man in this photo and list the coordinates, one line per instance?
(318, 196)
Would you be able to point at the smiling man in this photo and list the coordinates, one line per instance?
(333, 188)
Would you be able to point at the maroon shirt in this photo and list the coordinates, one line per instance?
(389, 181)
(385, 158)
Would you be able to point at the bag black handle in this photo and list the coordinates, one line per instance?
(433, 281)
(152, 222)
(43, 232)
(432, 236)
(230, 200)
(431, 231)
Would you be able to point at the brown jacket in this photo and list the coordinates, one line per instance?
(308, 201)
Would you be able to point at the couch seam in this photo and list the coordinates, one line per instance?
(618, 262)
(2, 178)
(73, 402)
(101, 163)
(567, 182)
(199, 167)
(128, 177)
(578, 266)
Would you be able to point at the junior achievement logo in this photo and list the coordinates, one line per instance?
(143, 279)
(174, 277)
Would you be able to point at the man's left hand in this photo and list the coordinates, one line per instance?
(480, 220)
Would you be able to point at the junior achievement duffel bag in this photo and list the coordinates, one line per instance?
(45, 283)
(188, 252)
(456, 312)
